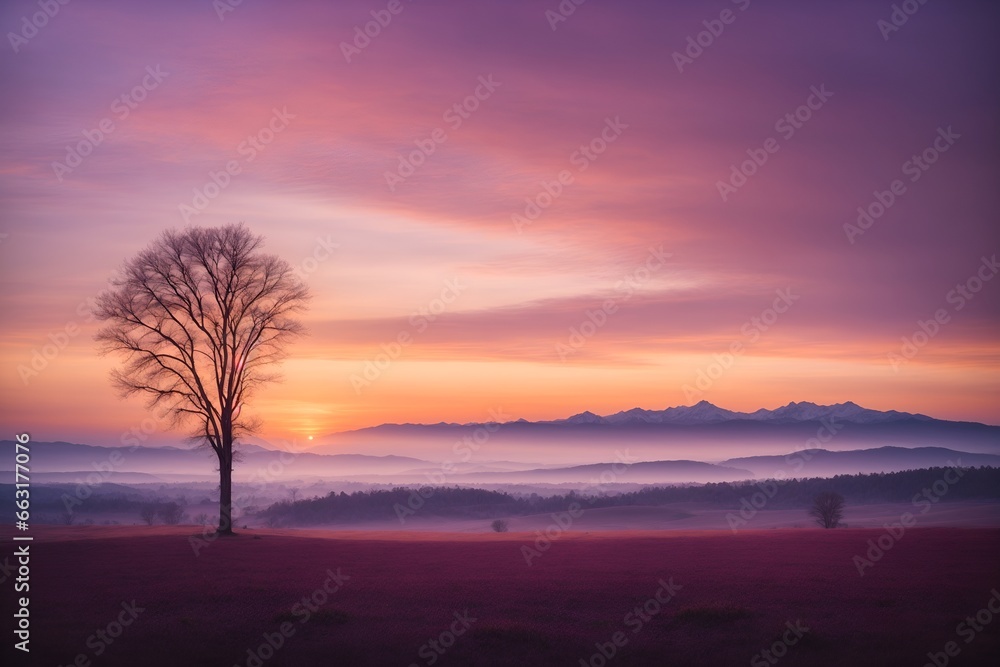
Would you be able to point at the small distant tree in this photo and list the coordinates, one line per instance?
(828, 509)
(67, 518)
(147, 512)
(171, 513)
(499, 526)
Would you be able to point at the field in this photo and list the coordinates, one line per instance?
(391, 593)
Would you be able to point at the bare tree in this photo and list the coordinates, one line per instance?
(500, 526)
(171, 513)
(828, 509)
(148, 513)
(200, 315)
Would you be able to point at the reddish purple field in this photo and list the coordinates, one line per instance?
(735, 594)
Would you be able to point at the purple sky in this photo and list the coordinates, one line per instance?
(506, 338)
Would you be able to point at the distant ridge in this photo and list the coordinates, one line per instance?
(701, 431)
(704, 412)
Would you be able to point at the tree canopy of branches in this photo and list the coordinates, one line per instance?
(827, 509)
(200, 316)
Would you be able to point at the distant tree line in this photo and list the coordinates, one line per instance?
(170, 513)
(454, 502)
(53, 497)
(63, 504)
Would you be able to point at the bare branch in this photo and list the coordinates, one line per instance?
(198, 317)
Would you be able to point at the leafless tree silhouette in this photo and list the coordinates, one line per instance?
(200, 316)
(171, 513)
(148, 513)
(828, 509)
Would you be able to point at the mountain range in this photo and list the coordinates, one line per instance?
(707, 413)
(702, 432)
(704, 413)
(702, 442)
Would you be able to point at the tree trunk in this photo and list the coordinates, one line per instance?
(226, 489)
